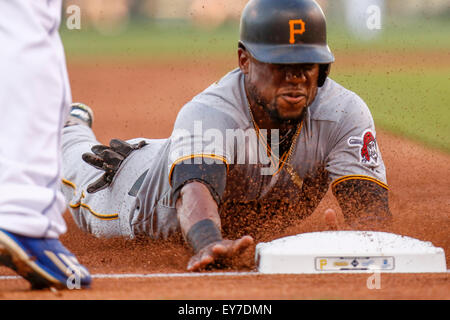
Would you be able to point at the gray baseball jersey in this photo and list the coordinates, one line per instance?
(337, 136)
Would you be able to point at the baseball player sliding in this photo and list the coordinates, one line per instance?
(276, 130)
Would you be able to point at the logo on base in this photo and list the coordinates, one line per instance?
(354, 263)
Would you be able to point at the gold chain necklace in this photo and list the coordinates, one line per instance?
(298, 181)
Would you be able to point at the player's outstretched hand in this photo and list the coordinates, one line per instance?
(218, 252)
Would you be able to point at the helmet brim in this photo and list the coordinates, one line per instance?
(290, 54)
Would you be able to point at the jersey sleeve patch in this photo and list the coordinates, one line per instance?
(368, 147)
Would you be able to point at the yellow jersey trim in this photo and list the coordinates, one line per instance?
(112, 216)
(70, 184)
(359, 177)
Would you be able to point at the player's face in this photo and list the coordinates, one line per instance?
(283, 90)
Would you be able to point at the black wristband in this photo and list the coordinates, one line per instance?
(203, 233)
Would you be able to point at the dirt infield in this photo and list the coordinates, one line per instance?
(142, 100)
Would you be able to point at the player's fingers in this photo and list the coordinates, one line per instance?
(197, 263)
(93, 160)
(241, 244)
(220, 250)
(98, 149)
(230, 248)
(98, 185)
(112, 158)
(217, 251)
(124, 148)
(330, 218)
(193, 264)
(121, 147)
(206, 260)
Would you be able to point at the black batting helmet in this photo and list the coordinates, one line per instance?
(286, 32)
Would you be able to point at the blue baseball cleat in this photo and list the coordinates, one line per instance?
(43, 262)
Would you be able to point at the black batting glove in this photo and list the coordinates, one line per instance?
(108, 158)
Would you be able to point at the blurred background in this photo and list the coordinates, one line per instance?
(394, 53)
(402, 23)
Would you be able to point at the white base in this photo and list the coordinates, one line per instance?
(349, 252)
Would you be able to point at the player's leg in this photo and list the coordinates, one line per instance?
(34, 100)
(116, 209)
(96, 213)
(77, 139)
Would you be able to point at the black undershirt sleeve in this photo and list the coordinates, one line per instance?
(363, 202)
(212, 175)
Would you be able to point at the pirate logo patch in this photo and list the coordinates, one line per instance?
(368, 147)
